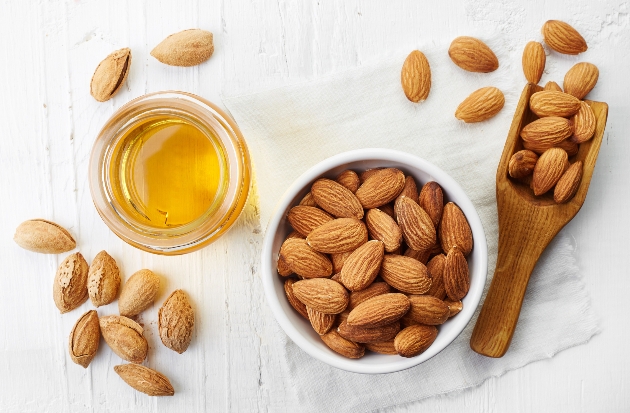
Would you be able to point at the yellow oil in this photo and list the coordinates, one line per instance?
(166, 172)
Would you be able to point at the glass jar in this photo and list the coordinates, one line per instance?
(158, 183)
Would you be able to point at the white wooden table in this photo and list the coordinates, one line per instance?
(48, 121)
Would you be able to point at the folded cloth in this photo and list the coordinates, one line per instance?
(289, 129)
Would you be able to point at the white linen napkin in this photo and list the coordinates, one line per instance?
(289, 129)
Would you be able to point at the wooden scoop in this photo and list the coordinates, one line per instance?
(526, 226)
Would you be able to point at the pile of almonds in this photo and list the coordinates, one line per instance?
(379, 298)
(75, 281)
(564, 119)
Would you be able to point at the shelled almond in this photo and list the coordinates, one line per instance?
(355, 287)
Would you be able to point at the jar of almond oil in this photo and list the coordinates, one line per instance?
(169, 173)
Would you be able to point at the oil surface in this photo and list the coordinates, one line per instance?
(166, 172)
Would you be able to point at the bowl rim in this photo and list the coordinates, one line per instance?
(387, 155)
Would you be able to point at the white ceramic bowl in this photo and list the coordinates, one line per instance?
(299, 329)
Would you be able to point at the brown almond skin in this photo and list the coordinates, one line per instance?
(186, 48)
(293, 300)
(422, 256)
(539, 147)
(405, 274)
(563, 38)
(569, 183)
(550, 130)
(320, 322)
(552, 86)
(584, 124)
(361, 267)
(454, 307)
(176, 321)
(522, 164)
(70, 284)
(336, 199)
(581, 79)
(103, 279)
(382, 227)
(338, 236)
(415, 77)
(435, 267)
(138, 293)
(534, 59)
(383, 347)
(376, 288)
(45, 237)
(428, 310)
(431, 199)
(110, 75)
(368, 335)
(284, 269)
(84, 339)
(379, 311)
(415, 340)
(410, 190)
(342, 346)
(350, 180)
(550, 103)
(473, 55)
(304, 260)
(388, 209)
(455, 230)
(416, 225)
(456, 275)
(480, 105)
(125, 337)
(305, 219)
(338, 261)
(145, 380)
(308, 200)
(549, 168)
(321, 294)
(381, 188)
(363, 176)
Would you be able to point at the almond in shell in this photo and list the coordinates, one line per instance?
(563, 38)
(304, 219)
(361, 267)
(431, 199)
(533, 61)
(145, 380)
(584, 124)
(414, 340)
(481, 105)
(405, 274)
(379, 311)
(581, 79)
(381, 188)
(186, 48)
(382, 227)
(549, 168)
(568, 184)
(456, 275)
(550, 103)
(455, 230)
(304, 260)
(110, 75)
(70, 284)
(138, 293)
(340, 345)
(103, 279)
(522, 164)
(337, 236)
(125, 337)
(416, 225)
(176, 322)
(84, 339)
(415, 77)
(473, 55)
(321, 294)
(46, 237)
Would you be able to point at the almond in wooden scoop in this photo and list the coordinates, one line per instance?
(550, 103)
(549, 168)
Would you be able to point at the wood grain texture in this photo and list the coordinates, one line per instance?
(48, 52)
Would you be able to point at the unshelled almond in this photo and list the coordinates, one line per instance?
(321, 294)
(584, 124)
(361, 267)
(533, 61)
(337, 236)
(138, 293)
(103, 279)
(70, 284)
(550, 130)
(405, 274)
(293, 300)
(581, 79)
(480, 105)
(426, 309)
(342, 346)
(563, 38)
(431, 199)
(456, 275)
(473, 55)
(549, 168)
(455, 230)
(145, 380)
(454, 307)
(349, 179)
(84, 339)
(110, 75)
(416, 225)
(304, 260)
(551, 85)
(522, 164)
(336, 199)
(176, 321)
(305, 219)
(551, 103)
(381, 187)
(321, 322)
(569, 183)
(415, 77)
(379, 311)
(376, 288)
(186, 48)
(382, 227)
(435, 267)
(382, 347)
(125, 337)
(414, 340)
(46, 237)
(369, 335)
